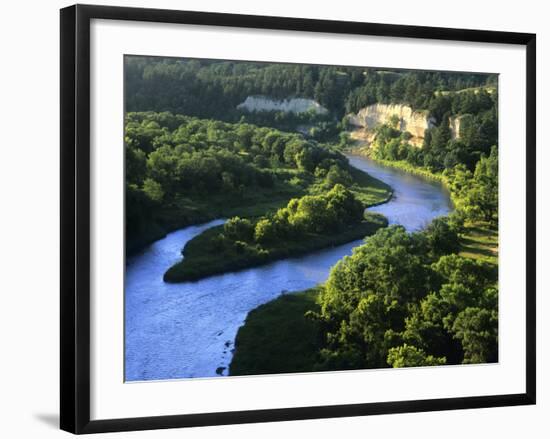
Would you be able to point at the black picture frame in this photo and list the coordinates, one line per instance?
(75, 217)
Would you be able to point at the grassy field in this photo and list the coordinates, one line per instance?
(369, 190)
(187, 211)
(202, 258)
(278, 338)
(488, 88)
(480, 242)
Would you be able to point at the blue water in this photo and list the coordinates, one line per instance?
(188, 329)
(416, 201)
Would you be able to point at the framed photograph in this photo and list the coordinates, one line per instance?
(268, 219)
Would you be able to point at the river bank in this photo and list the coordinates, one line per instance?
(214, 252)
(402, 165)
(260, 349)
(479, 239)
(279, 337)
(187, 212)
(201, 258)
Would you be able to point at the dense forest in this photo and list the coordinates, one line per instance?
(213, 89)
(477, 112)
(182, 170)
(409, 300)
(467, 164)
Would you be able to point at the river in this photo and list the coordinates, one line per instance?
(188, 329)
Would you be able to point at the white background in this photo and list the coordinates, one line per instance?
(30, 204)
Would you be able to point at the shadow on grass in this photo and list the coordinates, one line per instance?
(482, 232)
(474, 248)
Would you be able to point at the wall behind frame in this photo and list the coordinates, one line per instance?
(29, 223)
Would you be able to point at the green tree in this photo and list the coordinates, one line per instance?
(477, 195)
(336, 175)
(265, 231)
(367, 294)
(239, 229)
(442, 238)
(153, 190)
(310, 215)
(410, 356)
(477, 329)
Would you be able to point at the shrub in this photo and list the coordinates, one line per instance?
(411, 356)
(442, 238)
(265, 231)
(239, 229)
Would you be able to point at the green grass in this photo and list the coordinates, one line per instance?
(203, 257)
(488, 88)
(479, 241)
(251, 203)
(369, 190)
(186, 211)
(277, 338)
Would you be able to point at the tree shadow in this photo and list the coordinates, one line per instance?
(49, 419)
(473, 247)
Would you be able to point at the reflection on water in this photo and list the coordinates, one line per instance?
(187, 330)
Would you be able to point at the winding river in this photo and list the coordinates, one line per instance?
(187, 330)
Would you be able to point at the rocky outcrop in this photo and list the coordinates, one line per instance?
(291, 105)
(368, 118)
(454, 125)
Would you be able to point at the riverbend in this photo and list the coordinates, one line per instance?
(188, 330)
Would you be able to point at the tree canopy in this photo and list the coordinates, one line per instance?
(398, 301)
(173, 160)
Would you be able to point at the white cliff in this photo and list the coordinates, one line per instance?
(454, 125)
(291, 105)
(368, 118)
